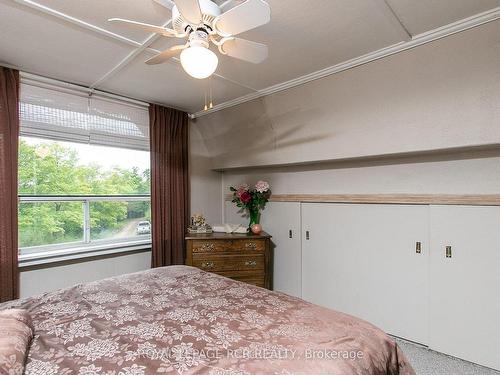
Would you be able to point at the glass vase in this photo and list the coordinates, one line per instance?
(254, 217)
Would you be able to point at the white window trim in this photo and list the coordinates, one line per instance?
(82, 252)
(86, 248)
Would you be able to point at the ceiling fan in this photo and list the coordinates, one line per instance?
(202, 22)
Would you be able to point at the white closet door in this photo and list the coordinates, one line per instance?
(278, 219)
(282, 221)
(465, 289)
(362, 260)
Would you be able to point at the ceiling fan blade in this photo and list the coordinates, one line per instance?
(145, 26)
(244, 17)
(190, 10)
(245, 50)
(165, 55)
(169, 4)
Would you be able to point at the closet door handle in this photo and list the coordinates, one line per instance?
(448, 252)
(418, 248)
(290, 234)
(307, 235)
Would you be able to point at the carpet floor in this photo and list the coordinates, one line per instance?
(429, 362)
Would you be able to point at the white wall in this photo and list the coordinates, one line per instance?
(39, 279)
(206, 194)
(438, 104)
(464, 173)
(441, 95)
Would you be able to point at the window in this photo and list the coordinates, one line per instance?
(84, 168)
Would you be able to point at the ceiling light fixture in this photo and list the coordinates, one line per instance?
(199, 62)
(204, 23)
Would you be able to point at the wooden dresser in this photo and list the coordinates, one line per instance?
(243, 257)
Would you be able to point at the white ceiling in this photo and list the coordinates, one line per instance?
(71, 40)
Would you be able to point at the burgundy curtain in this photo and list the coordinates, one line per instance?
(169, 134)
(9, 134)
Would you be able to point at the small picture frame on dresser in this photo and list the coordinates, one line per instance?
(244, 257)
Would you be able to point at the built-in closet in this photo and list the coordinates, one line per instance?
(426, 273)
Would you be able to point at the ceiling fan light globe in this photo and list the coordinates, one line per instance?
(199, 62)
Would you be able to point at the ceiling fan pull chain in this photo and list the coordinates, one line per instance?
(206, 105)
(210, 88)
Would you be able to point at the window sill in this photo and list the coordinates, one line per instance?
(76, 253)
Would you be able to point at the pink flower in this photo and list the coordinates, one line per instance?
(241, 189)
(262, 186)
(245, 197)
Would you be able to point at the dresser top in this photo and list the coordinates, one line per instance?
(226, 236)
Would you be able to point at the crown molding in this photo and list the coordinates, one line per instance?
(417, 40)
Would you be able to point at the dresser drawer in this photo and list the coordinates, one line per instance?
(231, 246)
(243, 257)
(255, 246)
(216, 263)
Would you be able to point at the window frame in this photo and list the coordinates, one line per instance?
(73, 250)
(114, 109)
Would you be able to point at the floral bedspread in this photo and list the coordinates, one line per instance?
(181, 320)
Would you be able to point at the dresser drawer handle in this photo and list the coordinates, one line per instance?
(251, 263)
(207, 265)
(208, 247)
(251, 245)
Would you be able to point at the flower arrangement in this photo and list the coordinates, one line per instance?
(252, 200)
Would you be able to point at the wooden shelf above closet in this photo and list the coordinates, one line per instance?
(422, 199)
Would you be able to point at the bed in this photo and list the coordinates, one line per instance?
(181, 320)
